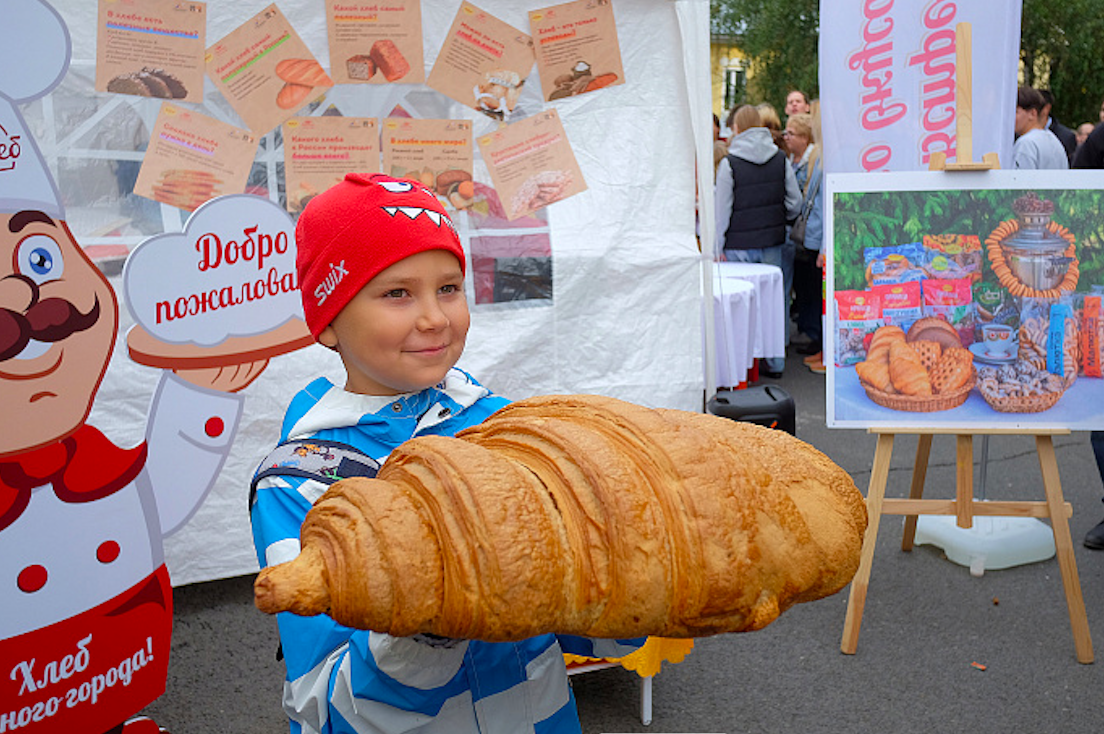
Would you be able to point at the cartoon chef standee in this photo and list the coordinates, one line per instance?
(85, 598)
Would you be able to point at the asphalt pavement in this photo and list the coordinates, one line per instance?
(940, 650)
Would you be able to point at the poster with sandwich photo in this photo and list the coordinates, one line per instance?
(961, 301)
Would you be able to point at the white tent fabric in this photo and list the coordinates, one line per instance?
(625, 315)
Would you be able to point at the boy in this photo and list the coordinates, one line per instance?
(381, 271)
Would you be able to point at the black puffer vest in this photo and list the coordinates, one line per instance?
(758, 203)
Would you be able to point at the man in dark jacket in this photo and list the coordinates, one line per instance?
(1067, 137)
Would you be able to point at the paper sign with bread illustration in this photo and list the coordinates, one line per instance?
(577, 48)
(483, 63)
(86, 597)
(265, 70)
(128, 62)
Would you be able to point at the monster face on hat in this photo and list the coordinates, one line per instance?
(359, 227)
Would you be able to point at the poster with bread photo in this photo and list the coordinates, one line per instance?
(532, 164)
(436, 152)
(192, 158)
(961, 301)
(375, 43)
(151, 48)
(319, 151)
(265, 71)
(483, 63)
(577, 48)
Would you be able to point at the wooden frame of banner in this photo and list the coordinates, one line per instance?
(964, 507)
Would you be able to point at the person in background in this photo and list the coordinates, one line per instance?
(770, 119)
(720, 145)
(805, 157)
(797, 103)
(756, 197)
(1091, 155)
(1036, 147)
(1083, 131)
(1065, 136)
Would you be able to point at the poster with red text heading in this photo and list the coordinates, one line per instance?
(265, 71)
(436, 152)
(319, 151)
(192, 158)
(888, 81)
(151, 48)
(532, 164)
(577, 49)
(375, 43)
(484, 63)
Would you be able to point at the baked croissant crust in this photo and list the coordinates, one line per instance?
(907, 371)
(876, 374)
(580, 515)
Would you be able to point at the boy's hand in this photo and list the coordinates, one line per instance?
(230, 378)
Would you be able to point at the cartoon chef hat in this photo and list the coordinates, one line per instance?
(34, 55)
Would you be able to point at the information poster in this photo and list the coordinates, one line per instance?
(192, 158)
(484, 63)
(319, 151)
(577, 48)
(375, 43)
(265, 70)
(436, 152)
(151, 48)
(958, 300)
(532, 164)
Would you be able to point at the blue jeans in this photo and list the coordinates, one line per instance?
(782, 257)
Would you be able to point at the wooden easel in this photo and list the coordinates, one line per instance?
(964, 507)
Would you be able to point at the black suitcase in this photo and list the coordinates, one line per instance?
(766, 405)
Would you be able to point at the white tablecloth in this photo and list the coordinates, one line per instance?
(735, 314)
(768, 338)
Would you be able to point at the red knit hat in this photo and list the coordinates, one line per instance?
(358, 227)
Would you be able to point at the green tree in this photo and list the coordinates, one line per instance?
(1061, 47)
(780, 41)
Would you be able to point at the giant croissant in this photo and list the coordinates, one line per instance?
(580, 515)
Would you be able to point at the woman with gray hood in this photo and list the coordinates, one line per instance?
(756, 198)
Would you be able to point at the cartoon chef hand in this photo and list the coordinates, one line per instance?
(229, 378)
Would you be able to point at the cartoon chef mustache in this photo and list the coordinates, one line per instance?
(48, 320)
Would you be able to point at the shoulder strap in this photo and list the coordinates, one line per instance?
(323, 461)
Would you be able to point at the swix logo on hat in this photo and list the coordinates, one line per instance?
(359, 227)
(332, 281)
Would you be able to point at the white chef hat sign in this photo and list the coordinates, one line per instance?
(34, 55)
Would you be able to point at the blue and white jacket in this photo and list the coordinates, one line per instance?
(341, 680)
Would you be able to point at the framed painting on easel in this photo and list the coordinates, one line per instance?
(966, 300)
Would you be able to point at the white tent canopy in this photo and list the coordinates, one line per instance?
(625, 316)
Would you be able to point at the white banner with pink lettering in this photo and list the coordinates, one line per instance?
(888, 75)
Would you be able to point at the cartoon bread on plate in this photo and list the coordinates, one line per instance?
(85, 631)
